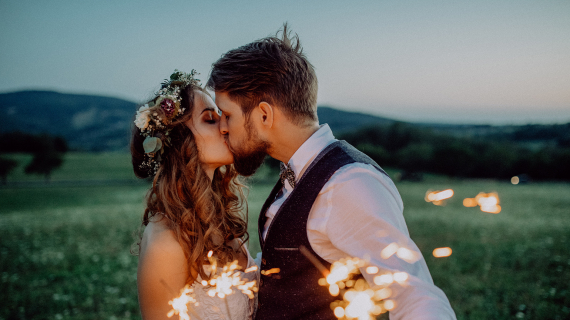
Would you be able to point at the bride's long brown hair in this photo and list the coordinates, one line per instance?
(204, 214)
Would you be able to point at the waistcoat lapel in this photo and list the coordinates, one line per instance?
(262, 218)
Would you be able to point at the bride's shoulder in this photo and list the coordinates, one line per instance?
(159, 241)
(162, 269)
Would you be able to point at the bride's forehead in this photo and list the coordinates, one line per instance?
(203, 101)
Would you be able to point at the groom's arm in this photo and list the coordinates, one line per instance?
(358, 213)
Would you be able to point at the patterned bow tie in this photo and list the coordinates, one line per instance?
(287, 173)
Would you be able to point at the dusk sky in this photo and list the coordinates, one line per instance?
(487, 62)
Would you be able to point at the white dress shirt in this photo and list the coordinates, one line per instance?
(358, 213)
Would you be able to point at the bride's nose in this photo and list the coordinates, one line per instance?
(223, 127)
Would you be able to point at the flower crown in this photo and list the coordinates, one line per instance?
(154, 119)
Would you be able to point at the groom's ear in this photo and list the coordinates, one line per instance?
(266, 114)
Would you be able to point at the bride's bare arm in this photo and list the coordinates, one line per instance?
(162, 271)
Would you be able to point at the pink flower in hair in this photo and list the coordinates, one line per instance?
(168, 107)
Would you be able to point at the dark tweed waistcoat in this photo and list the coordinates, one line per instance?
(294, 292)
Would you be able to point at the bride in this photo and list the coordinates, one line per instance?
(193, 207)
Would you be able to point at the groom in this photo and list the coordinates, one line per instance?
(330, 199)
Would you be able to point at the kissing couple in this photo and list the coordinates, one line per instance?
(330, 201)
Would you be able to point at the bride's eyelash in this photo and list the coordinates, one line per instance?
(210, 119)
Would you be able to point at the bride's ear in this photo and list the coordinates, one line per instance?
(266, 114)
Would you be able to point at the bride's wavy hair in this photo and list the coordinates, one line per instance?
(203, 214)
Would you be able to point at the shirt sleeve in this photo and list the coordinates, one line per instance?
(358, 213)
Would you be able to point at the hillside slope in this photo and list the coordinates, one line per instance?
(97, 123)
(87, 122)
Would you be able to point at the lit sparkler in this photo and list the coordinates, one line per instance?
(223, 284)
(220, 285)
(438, 197)
(359, 301)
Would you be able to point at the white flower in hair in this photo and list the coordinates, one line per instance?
(142, 117)
(155, 120)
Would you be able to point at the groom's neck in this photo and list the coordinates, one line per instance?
(289, 138)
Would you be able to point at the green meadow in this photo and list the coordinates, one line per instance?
(65, 249)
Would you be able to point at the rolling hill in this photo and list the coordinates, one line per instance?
(87, 122)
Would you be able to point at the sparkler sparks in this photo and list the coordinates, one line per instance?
(226, 283)
(372, 270)
(180, 304)
(407, 255)
(343, 269)
(230, 277)
(400, 277)
(270, 271)
(438, 197)
(250, 269)
(470, 202)
(489, 202)
(389, 250)
(402, 253)
(384, 279)
(359, 301)
(442, 252)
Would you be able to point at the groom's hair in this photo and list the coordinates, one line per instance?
(273, 70)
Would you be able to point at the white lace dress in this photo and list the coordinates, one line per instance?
(238, 304)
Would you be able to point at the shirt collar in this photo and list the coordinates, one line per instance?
(310, 149)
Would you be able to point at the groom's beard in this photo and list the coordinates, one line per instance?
(246, 162)
(250, 158)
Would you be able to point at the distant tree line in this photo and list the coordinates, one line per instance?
(417, 150)
(47, 153)
(559, 133)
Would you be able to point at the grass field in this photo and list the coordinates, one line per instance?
(65, 251)
(79, 166)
